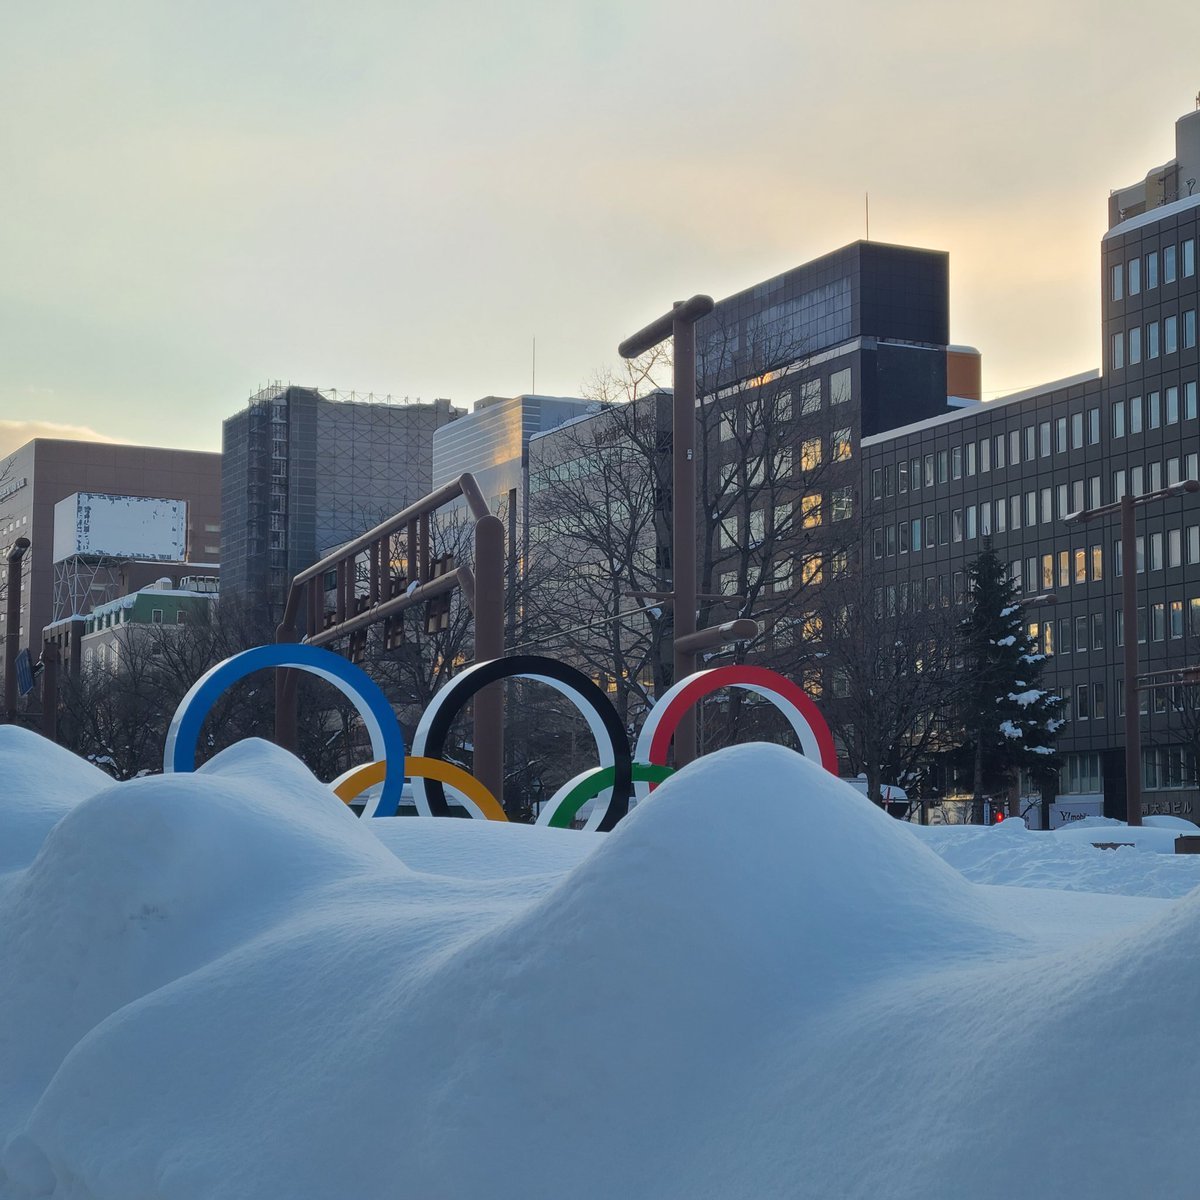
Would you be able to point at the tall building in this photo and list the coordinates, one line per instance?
(492, 441)
(1008, 471)
(37, 477)
(305, 471)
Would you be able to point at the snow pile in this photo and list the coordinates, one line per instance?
(1143, 862)
(41, 783)
(223, 985)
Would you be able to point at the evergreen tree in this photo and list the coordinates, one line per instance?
(1010, 720)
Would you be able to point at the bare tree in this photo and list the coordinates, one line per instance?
(893, 681)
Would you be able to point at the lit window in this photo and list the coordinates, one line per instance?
(840, 445)
(810, 510)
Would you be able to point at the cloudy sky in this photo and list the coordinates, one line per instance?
(398, 197)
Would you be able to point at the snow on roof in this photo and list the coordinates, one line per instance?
(977, 408)
(1152, 215)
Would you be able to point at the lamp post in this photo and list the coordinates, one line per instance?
(1133, 730)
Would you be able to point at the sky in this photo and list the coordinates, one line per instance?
(398, 198)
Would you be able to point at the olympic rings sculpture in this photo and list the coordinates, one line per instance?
(619, 773)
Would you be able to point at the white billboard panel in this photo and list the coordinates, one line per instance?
(93, 523)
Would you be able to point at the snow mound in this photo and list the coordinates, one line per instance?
(42, 781)
(224, 986)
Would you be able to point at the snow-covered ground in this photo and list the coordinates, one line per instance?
(224, 985)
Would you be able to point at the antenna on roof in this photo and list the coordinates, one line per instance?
(867, 207)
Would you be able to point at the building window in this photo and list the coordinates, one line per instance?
(1063, 504)
(1064, 635)
(1044, 439)
(956, 463)
(985, 519)
(1077, 495)
(1097, 563)
(1176, 618)
(1047, 506)
(1158, 616)
(1047, 572)
(1174, 547)
(877, 542)
(956, 522)
(156, 616)
(1118, 419)
(1077, 431)
(1060, 435)
(1172, 406)
(1030, 443)
(810, 397)
(1135, 415)
(1133, 275)
(1170, 334)
(1152, 270)
(839, 387)
(1093, 491)
(929, 470)
(1014, 512)
(1082, 707)
(1189, 329)
(842, 503)
(810, 510)
(1173, 475)
(1080, 566)
(1014, 447)
(810, 460)
(1153, 411)
(902, 477)
(942, 466)
(1169, 264)
(971, 514)
(1001, 515)
(1152, 340)
(914, 472)
(970, 458)
(1030, 508)
(1135, 345)
(1117, 281)
(1098, 704)
(1093, 427)
(840, 445)
(1118, 488)
(998, 447)
(1064, 570)
(1189, 257)
(916, 534)
(985, 455)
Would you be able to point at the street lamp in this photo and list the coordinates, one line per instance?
(1133, 730)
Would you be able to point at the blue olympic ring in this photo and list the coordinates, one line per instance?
(387, 738)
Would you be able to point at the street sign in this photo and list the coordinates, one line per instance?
(24, 672)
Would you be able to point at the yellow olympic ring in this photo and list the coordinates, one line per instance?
(355, 782)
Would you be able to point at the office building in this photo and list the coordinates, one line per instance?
(306, 470)
(37, 477)
(1008, 472)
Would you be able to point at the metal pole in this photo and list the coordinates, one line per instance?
(683, 523)
(12, 631)
(1133, 729)
(488, 714)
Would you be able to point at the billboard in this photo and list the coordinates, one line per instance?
(100, 525)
